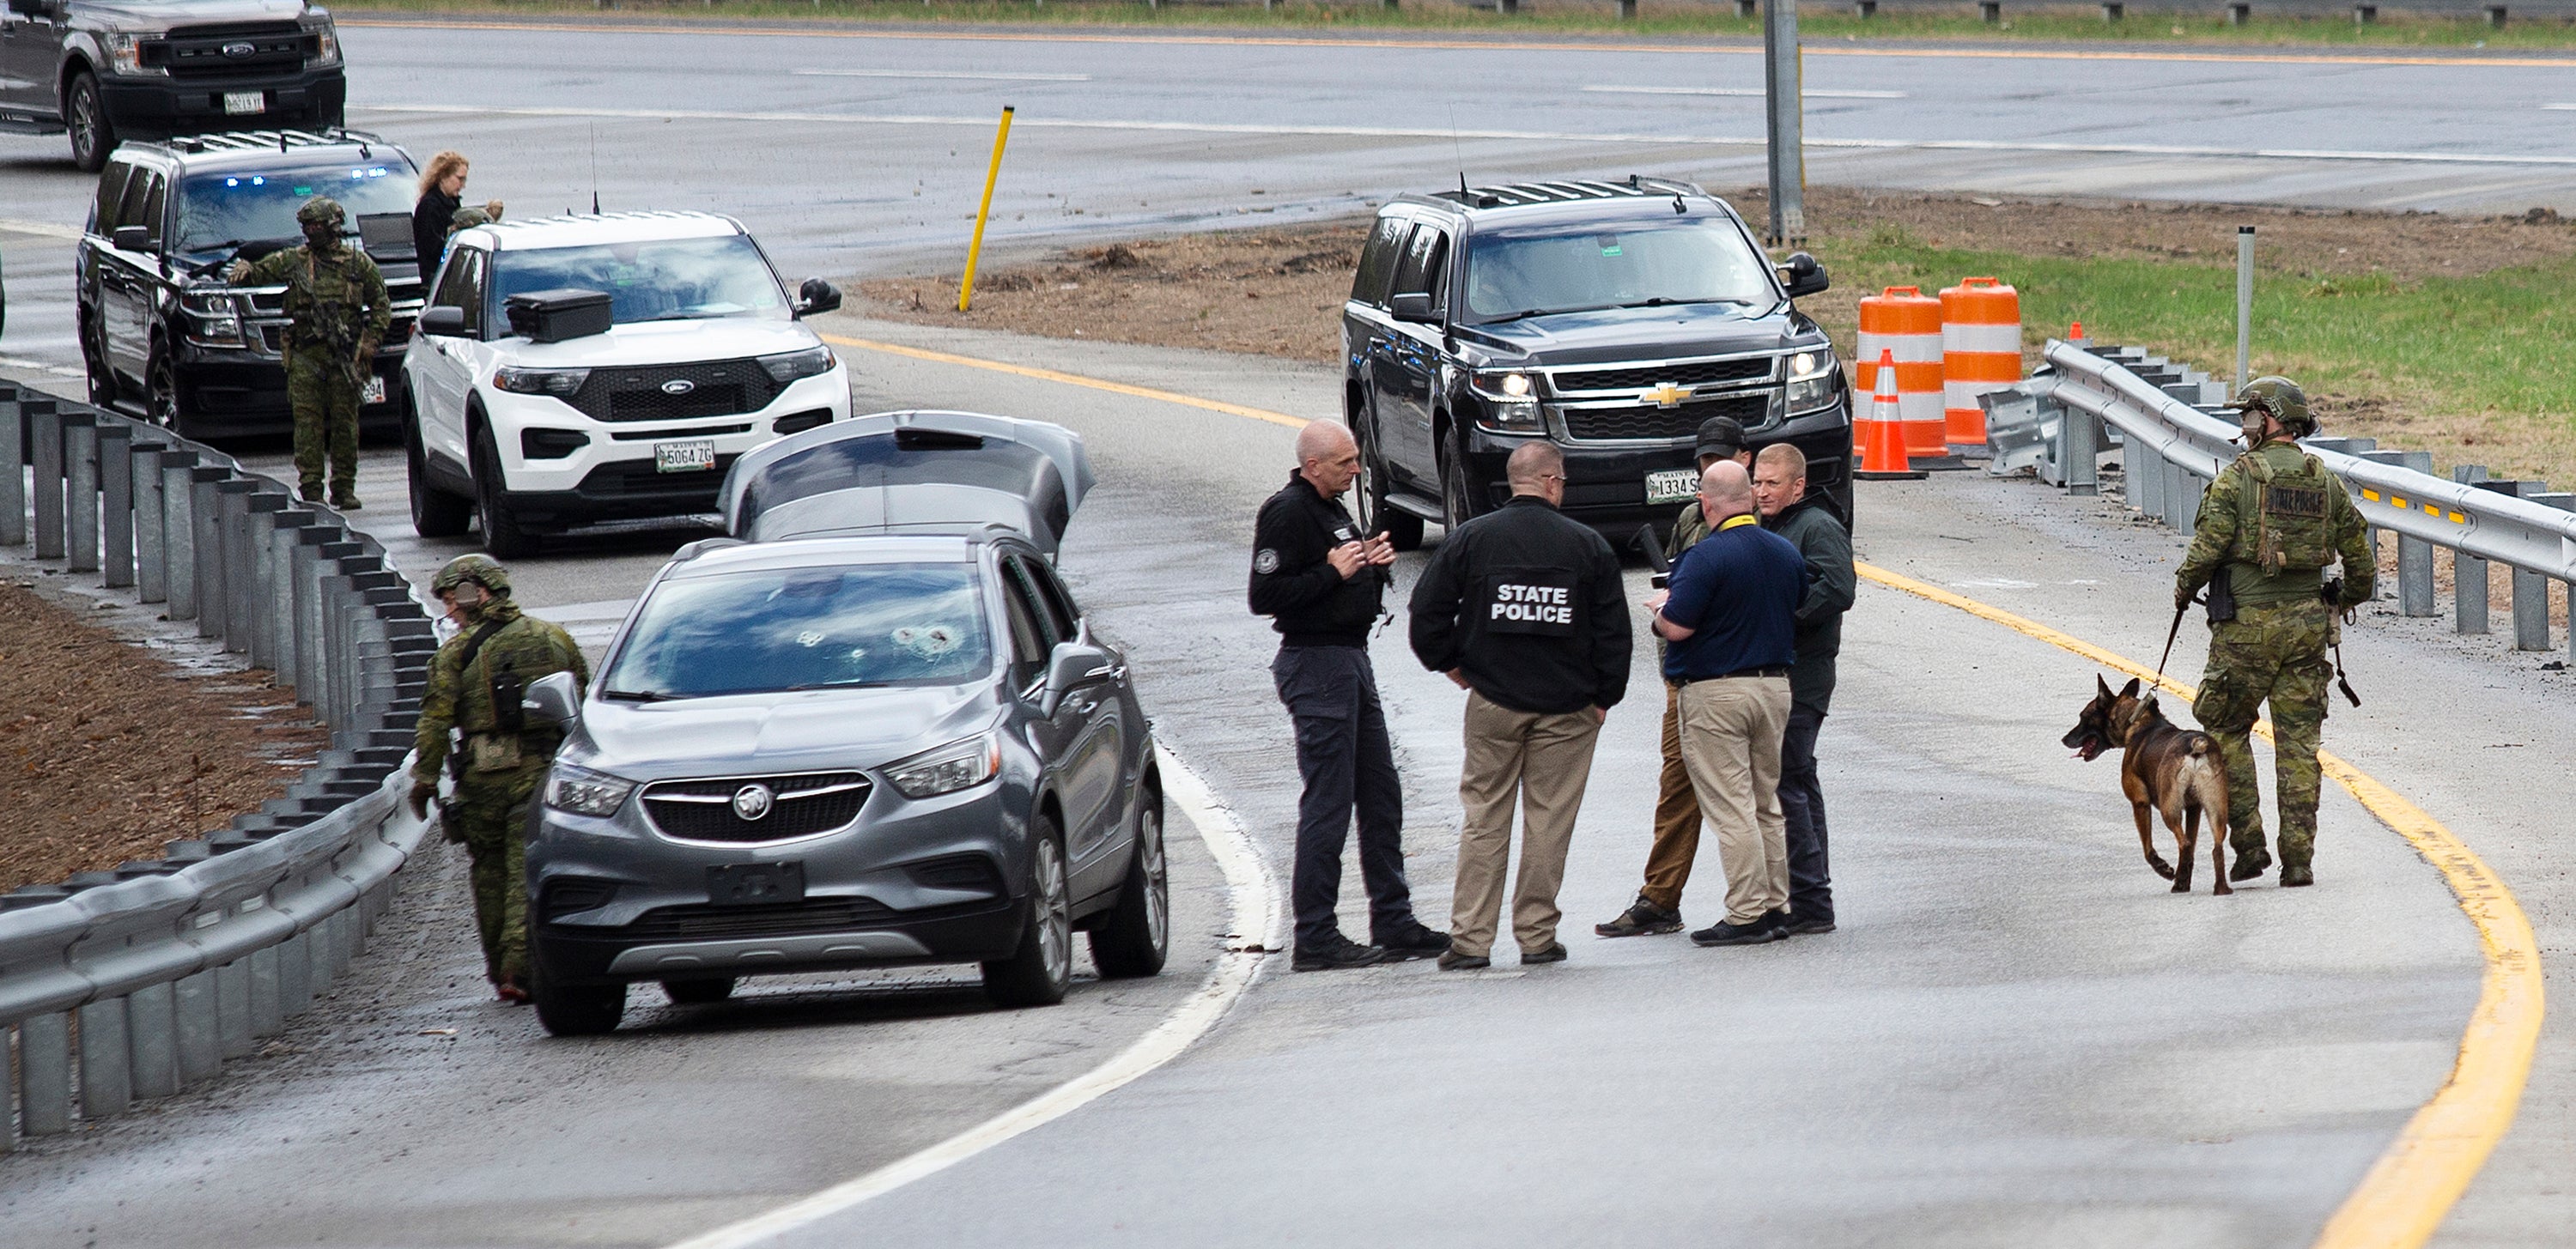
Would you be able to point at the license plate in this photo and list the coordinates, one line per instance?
(694, 456)
(756, 884)
(238, 103)
(374, 393)
(1678, 485)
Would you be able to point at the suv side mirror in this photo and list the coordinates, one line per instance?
(1072, 666)
(132, 238)
(552, 699)
(446, 319)
(816, 295)
(1413, 310)
(1802, 276)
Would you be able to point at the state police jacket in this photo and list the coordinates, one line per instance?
(1308, 602)
(1528, 606)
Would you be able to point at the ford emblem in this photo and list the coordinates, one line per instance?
(752, 802)
(240, 50)
(678, 386)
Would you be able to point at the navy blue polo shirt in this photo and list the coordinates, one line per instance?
(1739, 589)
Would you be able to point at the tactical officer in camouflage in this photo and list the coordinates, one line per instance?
(338, 314)
(2268, 528)
(475, 686)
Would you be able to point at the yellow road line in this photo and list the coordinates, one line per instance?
(2407, 1193)
(1474, 45)
(1071, 379)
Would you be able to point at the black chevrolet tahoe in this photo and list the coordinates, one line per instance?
(1608, 317)
(164, 332)
(106, 70)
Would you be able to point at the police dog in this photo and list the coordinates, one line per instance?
(2172, 769)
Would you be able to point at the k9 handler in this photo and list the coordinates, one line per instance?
(475, 684)
(2267, 529)
(1524, 609)
(337, 314)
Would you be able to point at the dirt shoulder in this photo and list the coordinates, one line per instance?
(110, 752)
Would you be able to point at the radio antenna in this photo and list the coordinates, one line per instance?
(594, 169)
(1460, 149)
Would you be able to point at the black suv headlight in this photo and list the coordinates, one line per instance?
(1510, 400)
(214, 317)
(811, 362)
(1815, 378)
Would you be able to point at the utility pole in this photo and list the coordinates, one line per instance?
(1784, 105)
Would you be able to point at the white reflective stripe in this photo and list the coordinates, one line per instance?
(1922, 405)
(1972, 336)
(1909, 348)
(1962, 396)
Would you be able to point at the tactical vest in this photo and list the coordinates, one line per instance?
(325, 305)
(2282, 520)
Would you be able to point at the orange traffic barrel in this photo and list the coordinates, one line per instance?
(1882, 435)
(1980, 352)
(1904, 324)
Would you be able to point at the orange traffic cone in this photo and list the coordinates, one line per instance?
(1882, 436)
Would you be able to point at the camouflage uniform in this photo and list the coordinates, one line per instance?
(2270, 524)
(338, 313)
(497, 771)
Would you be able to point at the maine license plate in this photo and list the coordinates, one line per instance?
(238, 103)
(697, 455)
(1678, 485)
(374, 393)
(756, 884)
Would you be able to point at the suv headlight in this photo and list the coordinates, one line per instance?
(584, 792)
(1814, 379)
(214, 318)
(125, 55)
(326, 44)
(561, 383)
(1511, 401)
(811, 362)
(947, 769)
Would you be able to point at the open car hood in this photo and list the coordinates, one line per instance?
(911, 473)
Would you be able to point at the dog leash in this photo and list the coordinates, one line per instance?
(2170, 634)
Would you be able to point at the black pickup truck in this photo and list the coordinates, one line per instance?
(106, 70)
(1608, 317)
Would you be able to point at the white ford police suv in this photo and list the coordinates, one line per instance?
(576, 370)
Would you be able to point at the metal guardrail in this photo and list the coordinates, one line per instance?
(140, 981)
(2173, 444)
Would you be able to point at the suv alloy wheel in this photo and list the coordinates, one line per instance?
(161, 392)
(1136, 936)
(1040, 971)
(85, 115)
(502, 536)
(434, 512)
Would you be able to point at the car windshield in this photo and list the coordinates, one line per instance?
(663, 280)
(804, 628)
(220, 210)
(1685, 260)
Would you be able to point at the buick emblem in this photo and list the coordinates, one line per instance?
(240, 50)
(751, 802)
(678, 386)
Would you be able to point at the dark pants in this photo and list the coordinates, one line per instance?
(1802, 805)
(1347, 762)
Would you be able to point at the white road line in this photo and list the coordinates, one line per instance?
(932, 73)
(2559, 108)
(1443, 136)
(1254, 918)
(41, 229)
(1753, 92)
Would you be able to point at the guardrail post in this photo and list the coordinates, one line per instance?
(2468, 572)
(153, 1036)
(45, 1075)
(2415, 555)
(267, 1014)
(80, 492)
(2565, 502)
(232, 1009)
(205, 530)
(303, 574)
(179, 532)
(151, 531)
(261, 586)
(2139, 463)
(116, 504)
(105, 1086)
(46, 453)
(13, 467)
(295, 978)
(2079, 435)
(319, 963)
(2530, 589)
(201, 1055)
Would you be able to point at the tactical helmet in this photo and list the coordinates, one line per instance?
(322, 210)
(2283, 399)
(483, 570)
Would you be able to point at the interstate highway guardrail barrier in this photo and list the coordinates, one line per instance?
(2165, 420)
(140, 981)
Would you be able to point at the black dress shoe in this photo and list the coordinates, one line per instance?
(1454, 961)
(1554, 953)
(1754, 933)
(1641, 919)
(1411, 943)
(1338, 954)
(1811, 926)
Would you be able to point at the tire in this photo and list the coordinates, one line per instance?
(502, 536)
(435, 513)
(579, 1010)
(1136, 936)
(1457, 494)
(1402, 528)
(102, 379)
(704, 992)
(93, 132)
(1040, 971)
(161, 393)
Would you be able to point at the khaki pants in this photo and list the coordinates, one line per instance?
(1544, 760)
(1668, 864)
(1731, 729)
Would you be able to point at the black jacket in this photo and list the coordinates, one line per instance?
(1812, 525)
(429, 221)
(1308, 602)
(1528, 606)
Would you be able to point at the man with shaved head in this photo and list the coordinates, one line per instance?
(1524, 609)
(1730, 616)
(1321, 581)
(1811, 524)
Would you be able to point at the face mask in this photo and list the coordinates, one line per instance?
(322, 238)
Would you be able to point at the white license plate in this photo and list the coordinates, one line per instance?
(375, 390)
(238, 103)
(1677, 485)
(685, 457)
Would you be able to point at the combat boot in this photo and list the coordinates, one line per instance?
(310, 491)
(2250, 866)
(2294, 875)
(346, 499)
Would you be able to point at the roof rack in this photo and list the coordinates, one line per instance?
(264, 140)
(1522, 194)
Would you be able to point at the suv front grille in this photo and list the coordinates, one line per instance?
(803, 805)
(715, 388)
(1639, 377)
(1647, 422)
(198, 51)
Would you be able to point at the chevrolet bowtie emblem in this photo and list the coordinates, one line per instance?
(1667, 395)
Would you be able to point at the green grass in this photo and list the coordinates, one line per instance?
(2473, 369)
(1585, 17)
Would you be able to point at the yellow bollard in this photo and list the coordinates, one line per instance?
(974, 250)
